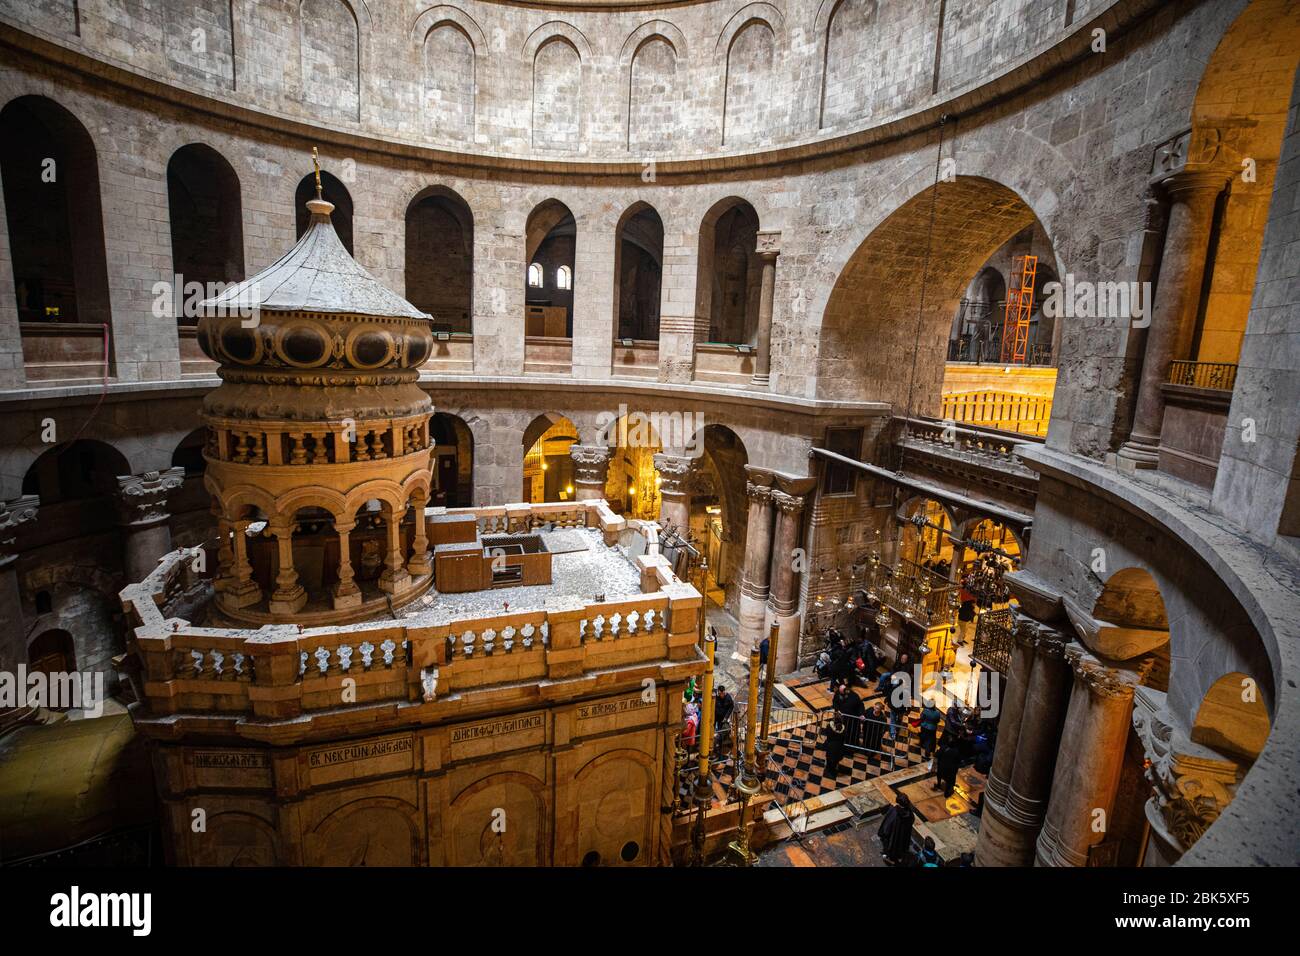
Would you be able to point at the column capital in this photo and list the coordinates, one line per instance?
(590, 454)
(674, 473)
(142, 499)
(759, 493)
(769, 244)
(788, 504)
(1101, 679)
(13, 515)
(1192, 181)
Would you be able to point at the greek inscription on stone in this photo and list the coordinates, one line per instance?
(605, 708)
(495, 728)
(362, 751)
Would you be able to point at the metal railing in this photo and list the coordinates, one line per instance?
(1218, 375)
(993, 641)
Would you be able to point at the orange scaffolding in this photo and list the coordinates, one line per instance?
(1020, 306)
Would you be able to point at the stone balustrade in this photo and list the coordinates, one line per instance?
(285, 671)
(282, 443)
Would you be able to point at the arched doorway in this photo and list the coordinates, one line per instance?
(638, 273)
(876, 297)
(440, 259)
(74, 471)
(550, 250)
(720, 512)
(206, 220)
(52, 653)
(333, 191)
(631, 480)
(56, 239)
(548, 468)
(728, 276)
(453, 461)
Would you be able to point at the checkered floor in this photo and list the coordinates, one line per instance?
(797, 766)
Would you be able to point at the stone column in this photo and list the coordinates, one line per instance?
(142, 513)
(1192, 192)
(289, 596)
(1009, 829)
(783, 601)
(346, 593)
(1025, 635)
(225, 575)
(1090, 759)
(243, 590)
(590, 470)
(758, 564)
(13, 515)
(394, 578)
(418, 564)
(674, 491)
(769, 247)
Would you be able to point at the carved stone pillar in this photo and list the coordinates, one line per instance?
(590, 470)
(784, 597)
(346, 593)
(1010, 824)
(289, 596)
(1025, 633)
(142, 513)
(758, 562)
(674, 491)
(13, 515)
(1192, 192)
(394, 578)
(418, 564)
(1091, 755)
(225, 575)
(243, 591)
(769, 247)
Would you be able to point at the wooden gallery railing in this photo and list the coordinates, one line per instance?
(1024, 414)
(285, 671)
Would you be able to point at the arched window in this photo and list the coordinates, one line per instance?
(564, 278)
(535, 276)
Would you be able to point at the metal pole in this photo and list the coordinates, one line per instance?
(703, 783)
(769, 679)
(748, 783)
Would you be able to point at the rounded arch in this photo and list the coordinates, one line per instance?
(621, 812)
(188, 453)
(638, 272)
(474, 841)
(83, 468)
(333, 190)
(54, 215)
(547, 467)
(550, 241)
(727, 271)
(206, 219)
(972, 218)
(440, 258)
(371, 831)
(52, 651)
(236, 838)
(383, 490)
(453, 452)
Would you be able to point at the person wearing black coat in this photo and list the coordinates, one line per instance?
(850, 705)
(835, 731)
(896, 831)
(946, 763)
(873, 728)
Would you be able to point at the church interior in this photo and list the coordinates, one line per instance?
(649, 433)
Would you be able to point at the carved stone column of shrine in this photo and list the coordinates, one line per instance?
(1012, 817)
(1091, 756)
(674, 491)
(394, 578)
(289, 596)
(789, 498)
(419, 563)
(345, 593)
(590, 470)
(769, 247)
(13, 515)
(757, 565)
(142, 513)
(1192, 190)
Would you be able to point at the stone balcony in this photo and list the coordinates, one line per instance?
(285, 683)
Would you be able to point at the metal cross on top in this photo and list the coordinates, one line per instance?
(315, 161)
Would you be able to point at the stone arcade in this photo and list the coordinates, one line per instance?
(602, 322)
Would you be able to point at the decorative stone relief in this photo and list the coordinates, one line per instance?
(142, 499)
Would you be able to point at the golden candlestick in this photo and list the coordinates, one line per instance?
(703, 781)
(748, 783)
(769, 681)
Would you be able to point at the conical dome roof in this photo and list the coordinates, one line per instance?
(316, 275)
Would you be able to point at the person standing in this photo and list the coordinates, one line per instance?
(849, 706)
(946, 763)
(834, 745)
(896, 831)
(874, 728)
(930, 718)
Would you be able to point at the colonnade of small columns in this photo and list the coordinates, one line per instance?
(237, 589)
(338, 443)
